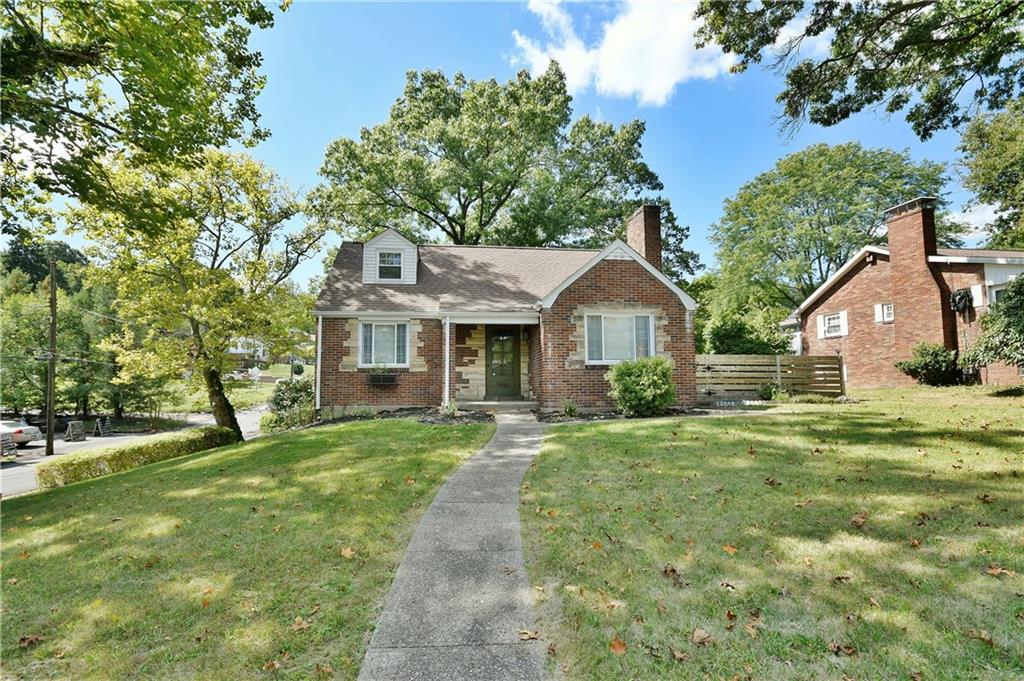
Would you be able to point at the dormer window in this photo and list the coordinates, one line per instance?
(389, 266)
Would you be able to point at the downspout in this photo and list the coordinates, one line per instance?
(319, 348)
(447, 360)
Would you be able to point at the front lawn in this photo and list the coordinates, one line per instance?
(266, 557)
(873, 540)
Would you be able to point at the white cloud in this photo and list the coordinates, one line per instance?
(977, 218)
(643, 52)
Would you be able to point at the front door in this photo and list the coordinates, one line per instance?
(502, 362)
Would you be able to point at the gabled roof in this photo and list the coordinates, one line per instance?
(463, 278)
(943, 255)
(390, 231)
(452, 279)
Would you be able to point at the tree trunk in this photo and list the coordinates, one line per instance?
(118, 409)
(223, 412)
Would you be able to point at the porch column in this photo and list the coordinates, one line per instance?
(447, 360)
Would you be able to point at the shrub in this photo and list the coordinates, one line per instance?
(86, 465)
(931, 364)
(569, 409)
(291, 405)
(768, 392)
(297, 369)
(642, 387)
(735, 336)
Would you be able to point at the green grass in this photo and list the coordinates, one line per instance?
(628, 529)
(212, 565)
(281, 371)
(139, 424)
(243, 394)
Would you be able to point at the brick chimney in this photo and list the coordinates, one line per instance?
(920, 299)
(643, 233)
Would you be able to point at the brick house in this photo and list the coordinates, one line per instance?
(886, 299)
(401, 324)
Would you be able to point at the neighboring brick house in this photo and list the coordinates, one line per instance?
(401, 324)
(885, 300)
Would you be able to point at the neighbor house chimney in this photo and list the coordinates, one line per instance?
(643, 233)
(919, 296)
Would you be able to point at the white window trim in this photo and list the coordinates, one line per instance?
(393, 322)
(993, 290)
(839, 324)
(400, 265)
(609, 362)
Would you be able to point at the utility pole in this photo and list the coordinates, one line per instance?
(51, 362)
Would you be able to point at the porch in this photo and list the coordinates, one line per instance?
(489, 362)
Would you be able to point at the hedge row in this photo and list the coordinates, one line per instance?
(76, 467)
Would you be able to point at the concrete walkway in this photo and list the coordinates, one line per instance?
(461, 597)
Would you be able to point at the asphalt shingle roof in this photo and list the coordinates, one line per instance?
(453, 278)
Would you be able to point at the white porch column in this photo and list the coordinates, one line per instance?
(319, 352)
(447, 361)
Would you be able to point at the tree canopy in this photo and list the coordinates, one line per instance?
(993, 147)
(790, 228)
(486, 162)
(941, 60)
(155, 82)
(216, 273)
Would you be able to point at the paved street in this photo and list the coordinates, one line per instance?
(19, 476)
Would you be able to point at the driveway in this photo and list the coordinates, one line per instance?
(18, 477)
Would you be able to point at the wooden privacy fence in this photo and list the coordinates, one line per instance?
(740, 377)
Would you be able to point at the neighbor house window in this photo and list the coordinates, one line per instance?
(612, 338)
(384, 344)
(389, 265)
(887, 312)
(994, 294)
(833, 325)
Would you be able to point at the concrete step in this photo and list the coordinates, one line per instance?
(498, 405)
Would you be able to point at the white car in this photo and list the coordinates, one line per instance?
(21, 432)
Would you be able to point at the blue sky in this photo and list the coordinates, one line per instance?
(333, 68)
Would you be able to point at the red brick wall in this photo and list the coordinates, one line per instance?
(609, 282)
(348, 387)
(869, 349)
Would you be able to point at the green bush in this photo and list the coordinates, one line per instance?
(569, 409)
(274, 422)
(931, 364)
(291, 405)
(642, 387)
(86, 465)
(297, 369)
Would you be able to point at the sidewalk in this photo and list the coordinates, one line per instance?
(461, 597)
(19, 476)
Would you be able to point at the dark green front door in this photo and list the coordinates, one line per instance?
(502, 362)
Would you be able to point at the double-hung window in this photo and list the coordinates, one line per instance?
(384, 344)
(612, 338)
(389, 266)
(833, 325)
(887, 312)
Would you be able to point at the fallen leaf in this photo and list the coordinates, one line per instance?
(347, 553)
(997, 571)
(300, 624)
(838, 649)
(27, 641)
(859, 518)
(678, 655)
(915, 543)
(617, 645)
(527, 635)
(981, 635)
(12, 581)
(803, 504)
(206, 602)
(116, 520)
(727, 586)
(730, 549)
(841, 579)
(410, 480)
(730, 615)
(596, 545)
(325, 671)
(772, 482)
(701, 637)
(272, 665)
(874, 602)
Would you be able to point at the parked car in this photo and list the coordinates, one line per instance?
(21, 432)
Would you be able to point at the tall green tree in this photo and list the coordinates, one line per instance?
(993, 148)
(32, 256)
(154, 81)
(486, 162)
(940, 60)
(792, 227)
(209, 276)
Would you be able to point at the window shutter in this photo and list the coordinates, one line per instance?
(367, 343)
(844, 327)
(878, 312)
(821, 326)
(976, 295)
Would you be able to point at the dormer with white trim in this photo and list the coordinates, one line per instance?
(389, 258)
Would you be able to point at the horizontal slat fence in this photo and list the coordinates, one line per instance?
(738, 377)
